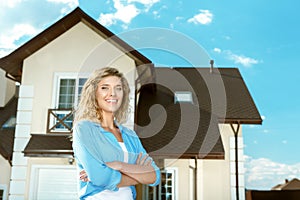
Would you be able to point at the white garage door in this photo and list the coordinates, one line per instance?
(50, 182)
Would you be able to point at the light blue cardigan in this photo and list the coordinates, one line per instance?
(94, 146)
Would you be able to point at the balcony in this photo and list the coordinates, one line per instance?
(60, 121)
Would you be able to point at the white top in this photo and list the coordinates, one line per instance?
(124, 193)
(125, 151)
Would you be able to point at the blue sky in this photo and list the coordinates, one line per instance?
(260, 37)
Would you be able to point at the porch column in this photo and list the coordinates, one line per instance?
(17, 190)
(237, 178)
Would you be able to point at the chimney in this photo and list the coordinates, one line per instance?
(211, 66)
(286, 180)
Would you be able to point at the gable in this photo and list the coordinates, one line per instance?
(13, 63)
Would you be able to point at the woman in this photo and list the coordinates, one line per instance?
(111, 155)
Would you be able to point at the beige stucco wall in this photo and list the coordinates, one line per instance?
(7, 88)
(77, 50)
(183, 179)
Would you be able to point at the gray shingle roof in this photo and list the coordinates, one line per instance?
(171, 129)
(49, 145)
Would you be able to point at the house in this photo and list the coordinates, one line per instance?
(189, 119)
(8, 107)
(288, 190)
(192, 120)
(293, 184)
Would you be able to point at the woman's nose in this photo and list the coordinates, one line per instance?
(112, 92)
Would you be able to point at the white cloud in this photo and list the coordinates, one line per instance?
(124, 14)
(10, 3)
(8, 39)
(16, 30)
(70, 3)
(263, 173)
(156, 14)
(147, 3)
(107, 19)
(204, 17)
(217, 50)
(125, 11)
(241, 59)
(178, 18)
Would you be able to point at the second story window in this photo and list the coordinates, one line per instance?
(66, 97)
(67, 90)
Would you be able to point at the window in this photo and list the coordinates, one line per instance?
(68, 90)
(3, 194)
(183, 96)
(66, 95)
(166, 190)
(10, 123)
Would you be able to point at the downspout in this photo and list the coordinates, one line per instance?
(236, 159)
(195, 179)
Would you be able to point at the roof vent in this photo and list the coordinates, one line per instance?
(183, 97)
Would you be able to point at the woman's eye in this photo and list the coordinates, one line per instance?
(119, 88)
(104, 88)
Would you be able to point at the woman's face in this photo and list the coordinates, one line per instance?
(109, 94)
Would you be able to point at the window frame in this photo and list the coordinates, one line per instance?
(4, 189)
(178, 99)
(174, 172)
(157, 195)
(56, 86)
(56, 91)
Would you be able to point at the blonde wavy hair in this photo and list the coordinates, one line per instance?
(88, 108)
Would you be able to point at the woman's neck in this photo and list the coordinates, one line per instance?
(108, 121)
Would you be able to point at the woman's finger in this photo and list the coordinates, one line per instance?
(144, 159)
(82, 172)
(138, 160)
(149, 161)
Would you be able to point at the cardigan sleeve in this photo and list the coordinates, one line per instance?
(157, 170)
(97, 171)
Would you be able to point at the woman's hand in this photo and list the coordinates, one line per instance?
(83, 176)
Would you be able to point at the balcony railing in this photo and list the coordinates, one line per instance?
(60, 121)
